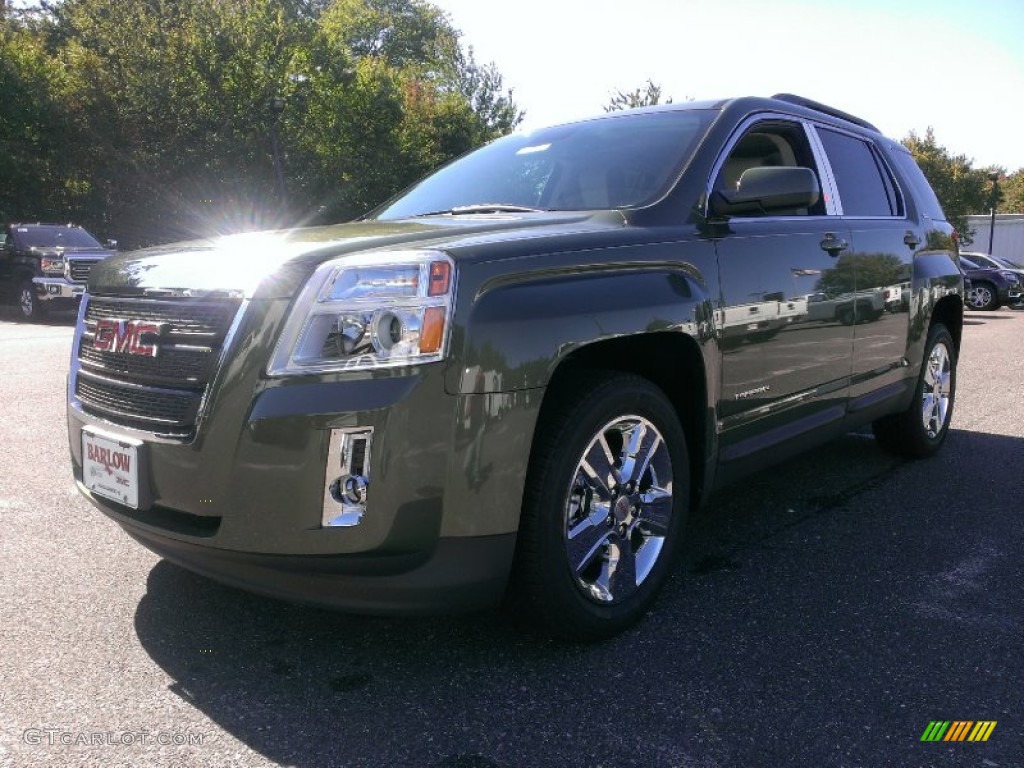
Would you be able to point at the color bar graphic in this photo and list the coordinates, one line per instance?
(958, 730)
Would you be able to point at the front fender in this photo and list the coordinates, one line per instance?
(520, 328)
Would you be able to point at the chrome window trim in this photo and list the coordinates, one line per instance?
(833, 202)
(879, 157)
(816, 151)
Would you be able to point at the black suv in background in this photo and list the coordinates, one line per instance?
(525, 370)
(46, 265)
(991, 287)
(1007, 269)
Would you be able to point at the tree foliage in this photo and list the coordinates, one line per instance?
(865, 270)
(170, 118)
(646, 95)
(962, 189)
(1013, 193)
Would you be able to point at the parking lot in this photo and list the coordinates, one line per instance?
(825, 612)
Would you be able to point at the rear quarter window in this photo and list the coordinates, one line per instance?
(925, 197)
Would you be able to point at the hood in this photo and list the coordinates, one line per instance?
(274, 264)
(52, 251)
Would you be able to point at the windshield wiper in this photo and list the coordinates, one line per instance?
(460, 210)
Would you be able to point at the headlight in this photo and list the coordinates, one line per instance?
(369, 311)
(1011, 276)
(52, 266)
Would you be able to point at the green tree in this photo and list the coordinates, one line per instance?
(482, 86)
(860, 272)
(37, 179)
(171, 118)
(961, 188)
(403, 33)
(645, 96)
(370, 117)
(1013, 193)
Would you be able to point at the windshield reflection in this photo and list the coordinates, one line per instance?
(617, 162)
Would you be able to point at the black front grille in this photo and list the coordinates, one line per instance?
(172, 366)
(79, 269)
(139, 405)
(161, 393)
(186, 317)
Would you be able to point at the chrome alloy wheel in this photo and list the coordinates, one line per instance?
(980, 297)
(618, 509)
(936, 390)
(27, 300)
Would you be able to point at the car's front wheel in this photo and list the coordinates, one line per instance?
(920, 430)
(29, 306)
(605, 505)
(982, 296)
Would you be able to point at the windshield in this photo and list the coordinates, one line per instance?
(54, 237)
(1007, 263)
(620, 161)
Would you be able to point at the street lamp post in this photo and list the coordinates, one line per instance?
(276, 108)
(994, 178)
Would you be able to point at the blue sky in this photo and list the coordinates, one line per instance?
(905, 65)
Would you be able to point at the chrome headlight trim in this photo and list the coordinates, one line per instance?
(369, 311)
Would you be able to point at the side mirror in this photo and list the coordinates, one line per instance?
(763, 190)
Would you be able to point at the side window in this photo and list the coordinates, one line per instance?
(864, 185)
(766, 144)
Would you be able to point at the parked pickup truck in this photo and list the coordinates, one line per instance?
(45, 266)
(847, 308)
(511, 378)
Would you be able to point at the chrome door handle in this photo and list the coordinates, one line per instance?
(833, 245)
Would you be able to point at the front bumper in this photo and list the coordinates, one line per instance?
(57, 289)
(243, 500)
(458, 575)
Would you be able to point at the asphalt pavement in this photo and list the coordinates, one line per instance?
(825, 613)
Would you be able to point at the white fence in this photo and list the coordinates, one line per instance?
(1007, 236)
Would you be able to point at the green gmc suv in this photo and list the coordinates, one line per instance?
(520, 374)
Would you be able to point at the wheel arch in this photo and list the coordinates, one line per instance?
(673, 362)
(949, 311)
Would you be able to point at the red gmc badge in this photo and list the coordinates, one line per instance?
(134, 337)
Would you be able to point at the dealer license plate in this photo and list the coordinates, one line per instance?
(110, 466)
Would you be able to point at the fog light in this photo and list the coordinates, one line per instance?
(346, 480)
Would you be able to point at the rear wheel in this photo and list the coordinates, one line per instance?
(920, 430)
(605, 506)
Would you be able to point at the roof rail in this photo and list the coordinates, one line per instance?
(817, 106)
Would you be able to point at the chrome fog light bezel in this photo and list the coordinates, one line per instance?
(346, 477)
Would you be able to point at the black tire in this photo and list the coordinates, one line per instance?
(920, 431)
(983, 297)
(589, 586)
(29, 306)
(846, 316)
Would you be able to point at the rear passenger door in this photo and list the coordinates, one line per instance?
(882, 244)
